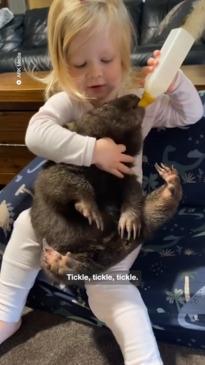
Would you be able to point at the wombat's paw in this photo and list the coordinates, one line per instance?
(170, 176)
(131, 223)
(91, 212)
(55, 263)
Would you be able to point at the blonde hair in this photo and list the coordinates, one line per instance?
(66, 19)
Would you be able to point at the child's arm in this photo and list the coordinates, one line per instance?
(47, 138)
(181, 105)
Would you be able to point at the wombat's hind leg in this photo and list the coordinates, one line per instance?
(160, 205)
(131, 209)
(170, 175)
(55, 263)
(90, 211)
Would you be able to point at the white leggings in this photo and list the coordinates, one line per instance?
(120, 306)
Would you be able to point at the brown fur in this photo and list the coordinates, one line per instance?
(63, 193)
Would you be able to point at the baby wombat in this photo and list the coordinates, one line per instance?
(82, 213)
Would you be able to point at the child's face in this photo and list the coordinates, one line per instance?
(95, 64)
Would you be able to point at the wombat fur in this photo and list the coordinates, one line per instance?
(78, 210)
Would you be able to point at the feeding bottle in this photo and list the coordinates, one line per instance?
(173, 53)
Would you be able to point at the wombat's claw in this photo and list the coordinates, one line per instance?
(45, 244)
(46, 249)
(131, 224)
(98, 220)
(172, 180)
(91, 213)
(165, 171)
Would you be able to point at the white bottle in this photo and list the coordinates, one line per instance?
(173, 53)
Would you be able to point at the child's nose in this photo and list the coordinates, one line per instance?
(95, 71)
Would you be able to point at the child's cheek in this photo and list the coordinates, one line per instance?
(115, 74)
(79, 82)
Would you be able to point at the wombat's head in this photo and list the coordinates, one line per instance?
(129, 104)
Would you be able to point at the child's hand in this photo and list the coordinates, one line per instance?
(109, 156)
(152, 62)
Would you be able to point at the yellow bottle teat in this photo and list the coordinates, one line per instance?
(146, 99)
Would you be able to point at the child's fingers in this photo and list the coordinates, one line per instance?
(125, 169)
(152, 61)
(122, 147)
(155, 58)
(148, 69)
(157, 53)
(127, 158)
(122, 170)
(117, 173)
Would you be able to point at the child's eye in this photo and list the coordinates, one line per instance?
(80, 66)
(106, 60)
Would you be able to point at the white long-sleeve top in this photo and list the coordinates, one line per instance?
(47, 138)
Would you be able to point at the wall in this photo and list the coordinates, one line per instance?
(31, 4)
(17, 6)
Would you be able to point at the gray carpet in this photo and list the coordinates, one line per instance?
(47, 339)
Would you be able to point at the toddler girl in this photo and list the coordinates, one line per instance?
(90, 47)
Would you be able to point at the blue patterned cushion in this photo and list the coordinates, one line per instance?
(185, 149)
(16, 197)
(172, 269)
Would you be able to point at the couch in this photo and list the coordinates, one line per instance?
(171, 266)
(25, 37)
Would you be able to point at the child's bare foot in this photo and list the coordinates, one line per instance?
(8, 329)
